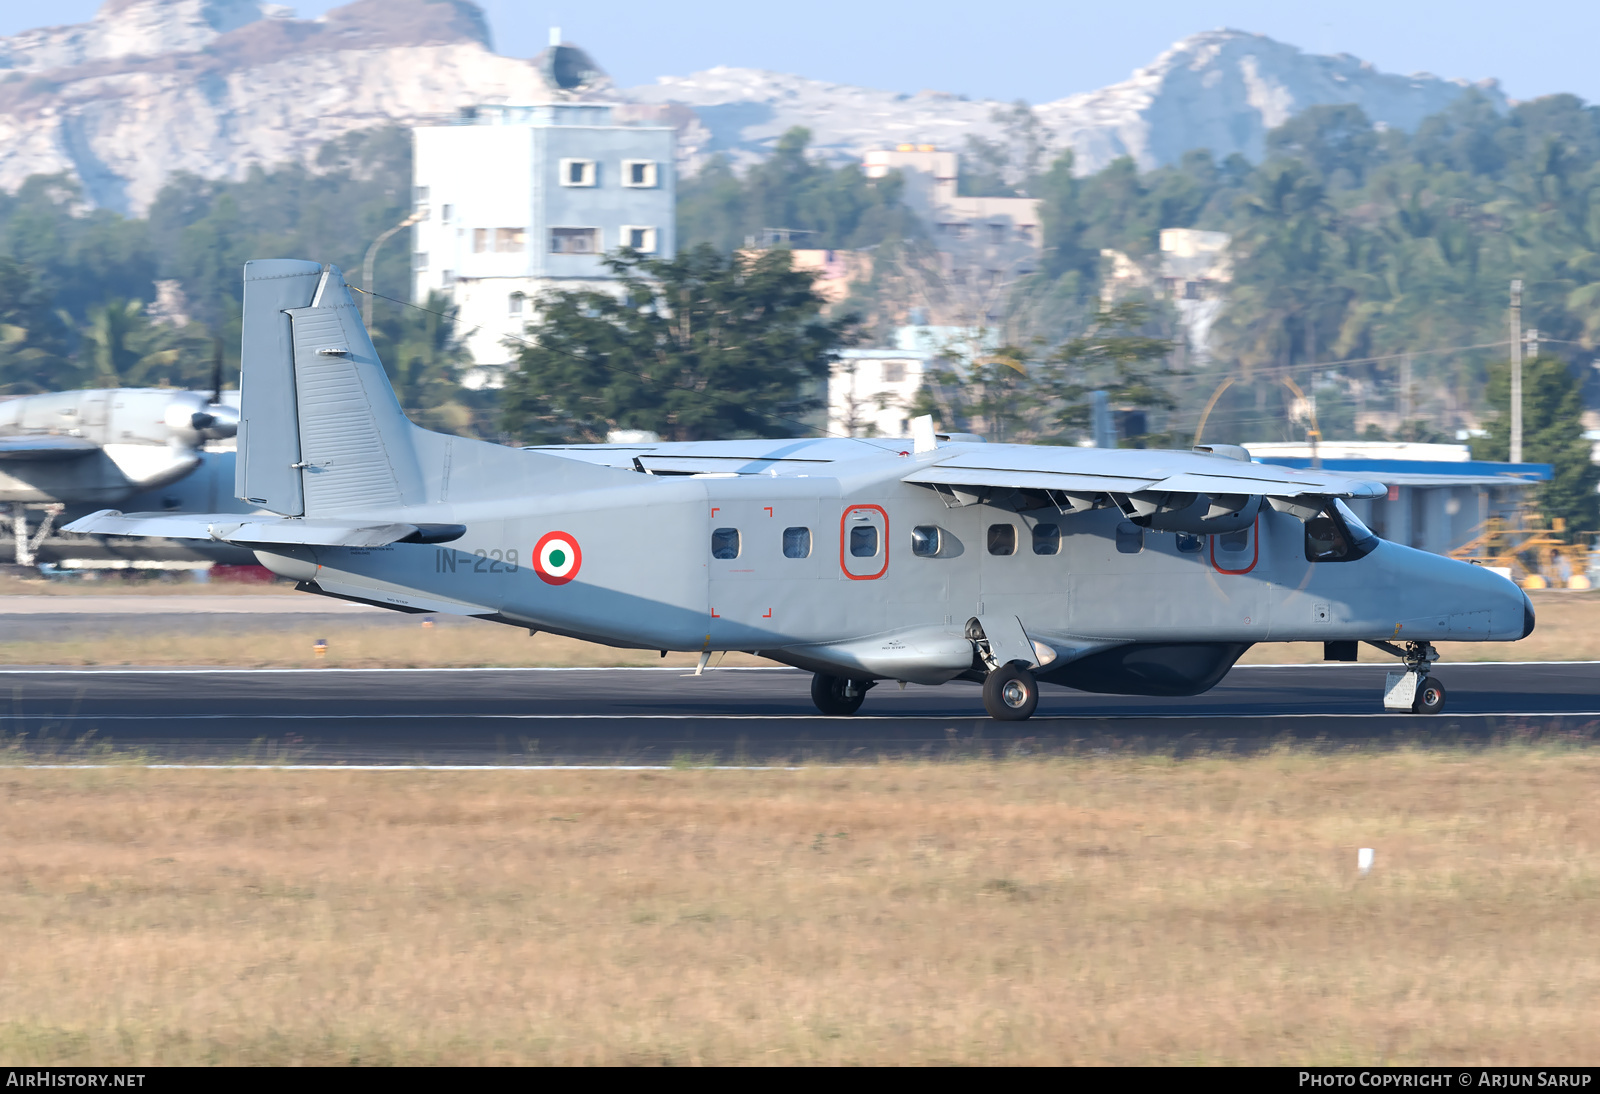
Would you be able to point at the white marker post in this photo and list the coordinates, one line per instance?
(1364, 861)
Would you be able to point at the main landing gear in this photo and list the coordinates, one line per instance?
(836, 695)
(1412, 690)
(1010, 693)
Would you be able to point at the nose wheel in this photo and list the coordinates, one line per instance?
(1430, 697)
(1412, 690)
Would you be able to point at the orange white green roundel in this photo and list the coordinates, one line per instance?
(557, 558)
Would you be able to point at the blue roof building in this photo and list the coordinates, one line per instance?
(1439, 498)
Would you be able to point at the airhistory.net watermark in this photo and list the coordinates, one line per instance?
(46, 1077)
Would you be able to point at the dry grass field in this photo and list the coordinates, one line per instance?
(1101, 909)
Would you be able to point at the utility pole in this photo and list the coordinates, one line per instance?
(372, 254)
(1516, 371)
(1405, 392)
(1532, 338)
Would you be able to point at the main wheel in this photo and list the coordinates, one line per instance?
(1430, 697)
(828, 693)
(1010, 693)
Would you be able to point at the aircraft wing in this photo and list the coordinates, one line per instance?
(1127, 471)
(264, 531)
(45, 446)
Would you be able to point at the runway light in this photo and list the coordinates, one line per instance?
(1364, 861)
(427, 622)
(319, 648)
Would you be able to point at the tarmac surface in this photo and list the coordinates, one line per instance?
(652, 716)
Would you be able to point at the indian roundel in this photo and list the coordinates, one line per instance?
(557, 558)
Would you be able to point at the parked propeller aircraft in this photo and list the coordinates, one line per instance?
(861, 561)
(77, 450)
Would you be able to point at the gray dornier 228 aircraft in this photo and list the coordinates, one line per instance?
(861, 561)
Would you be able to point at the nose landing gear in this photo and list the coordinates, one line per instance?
(1412, 690)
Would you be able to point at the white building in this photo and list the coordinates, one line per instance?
(871, 392)
(522, 200)
(1194, 271)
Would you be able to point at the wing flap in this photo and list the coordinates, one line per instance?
(1124, 471)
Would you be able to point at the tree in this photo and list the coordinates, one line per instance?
(32, 338)
(699, 346)
(1552, 432)
(422, 351)
(1032, 393)
(834, 207)
(1116, 354)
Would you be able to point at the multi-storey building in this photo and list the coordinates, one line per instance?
(985, 243)
(522, 200)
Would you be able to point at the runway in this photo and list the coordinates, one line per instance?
(520, 716)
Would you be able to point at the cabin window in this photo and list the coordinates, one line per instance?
(1190, 544)
(725, 543)
(1337, 535)
(1234, 543)
(1130, 538)
(925, 541)
(1002, 539)
(864, 541)
(796, 542)
(1046, 539)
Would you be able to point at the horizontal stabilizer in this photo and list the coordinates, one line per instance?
(266, 532)
(45, 447)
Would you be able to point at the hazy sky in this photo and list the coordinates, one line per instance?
(1038, 50)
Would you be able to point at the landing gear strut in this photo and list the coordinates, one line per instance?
(1412, 690)
(836, 695)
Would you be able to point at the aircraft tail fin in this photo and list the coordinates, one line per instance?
(320, 430)
(321, 434)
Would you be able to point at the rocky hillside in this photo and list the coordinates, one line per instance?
(1221, 90)
(212, 86)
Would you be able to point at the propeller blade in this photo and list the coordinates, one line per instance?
(216, 370)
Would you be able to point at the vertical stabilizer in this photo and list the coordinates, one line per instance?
(321, 433)
(269, 439)
(357, 447)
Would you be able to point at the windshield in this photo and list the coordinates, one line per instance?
(1337, 535)
(1359, 532)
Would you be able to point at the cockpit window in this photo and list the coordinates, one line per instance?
(1337, 535)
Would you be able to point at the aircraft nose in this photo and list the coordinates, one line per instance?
(1527, 616)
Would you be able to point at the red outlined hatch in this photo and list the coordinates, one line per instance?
(1255, 550)
(854, 559)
